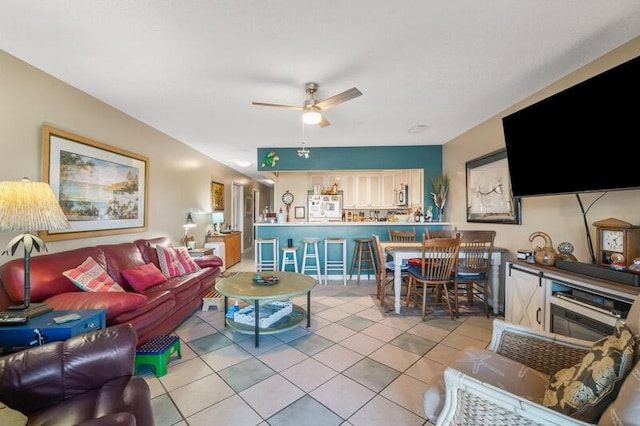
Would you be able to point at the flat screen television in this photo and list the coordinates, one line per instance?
(582, 139)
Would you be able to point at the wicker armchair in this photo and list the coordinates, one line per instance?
(505, 384)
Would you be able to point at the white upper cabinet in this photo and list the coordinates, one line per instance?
(372, 189)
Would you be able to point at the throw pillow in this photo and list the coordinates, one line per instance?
(175, 261)
(11, 417)
(584, 390)
(90, 276)
(143, 277)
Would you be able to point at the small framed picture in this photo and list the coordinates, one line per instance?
(299, 212)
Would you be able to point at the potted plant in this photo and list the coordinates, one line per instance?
(440, 189)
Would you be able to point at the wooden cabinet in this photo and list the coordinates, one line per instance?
(524, 296)
(232, 246)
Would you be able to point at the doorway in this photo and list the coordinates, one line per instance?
(237, 210)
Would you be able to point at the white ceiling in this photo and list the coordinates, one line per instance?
(191, 68)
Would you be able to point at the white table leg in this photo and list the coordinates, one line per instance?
(397, 280)
(496, 261)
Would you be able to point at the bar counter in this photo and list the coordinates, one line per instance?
(297, 231)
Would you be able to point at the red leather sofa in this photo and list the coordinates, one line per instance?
(155, 311)
(85, 380)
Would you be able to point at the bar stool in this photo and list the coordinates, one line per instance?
(263, 264)
(363, 258)
(339, 265)
(293, 260)
(310, 254)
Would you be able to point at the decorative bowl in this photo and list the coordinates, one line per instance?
(265, 279)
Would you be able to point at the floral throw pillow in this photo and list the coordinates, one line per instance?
(584, 390)
(175, 261)
(90, 276)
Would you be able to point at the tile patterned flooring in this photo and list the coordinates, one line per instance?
(353, 366)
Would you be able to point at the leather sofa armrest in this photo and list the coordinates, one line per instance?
(208, 261)
(37, 377)
(114, 419)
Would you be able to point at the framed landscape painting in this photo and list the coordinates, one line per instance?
(102, 189)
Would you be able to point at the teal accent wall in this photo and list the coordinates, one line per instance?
(426, 157)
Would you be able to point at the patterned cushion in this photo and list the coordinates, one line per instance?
(584, 390)
(143, 277)
(175, 261)
(90, 276)
(488, 367)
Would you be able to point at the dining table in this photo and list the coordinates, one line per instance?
(400, 252)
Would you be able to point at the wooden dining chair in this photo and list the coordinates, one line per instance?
(384, 271)
(441, 233)
(474, 267)
(402, 235)
(439, 259)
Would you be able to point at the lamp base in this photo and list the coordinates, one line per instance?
(33, 310)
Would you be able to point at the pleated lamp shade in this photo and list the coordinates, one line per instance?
(29, 206)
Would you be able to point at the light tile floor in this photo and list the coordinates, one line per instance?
(353, 366)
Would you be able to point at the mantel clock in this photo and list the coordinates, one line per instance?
(616, 237)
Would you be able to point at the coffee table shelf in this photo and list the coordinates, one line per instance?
(298, 315)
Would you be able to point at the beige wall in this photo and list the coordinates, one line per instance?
(559, 216)
(179, 177)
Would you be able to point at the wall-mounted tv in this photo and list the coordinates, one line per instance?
(582, 139)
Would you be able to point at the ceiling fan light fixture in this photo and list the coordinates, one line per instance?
(311, 116)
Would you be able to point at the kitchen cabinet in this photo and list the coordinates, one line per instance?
(524, 296)
(368, 191)
(349, 191)
(387, 185)
(416, 188)
(232, 246)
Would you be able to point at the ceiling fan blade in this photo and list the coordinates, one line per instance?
(277, 105)
(324, 122)
(339, 98)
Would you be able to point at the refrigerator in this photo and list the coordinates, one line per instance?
(325, 208)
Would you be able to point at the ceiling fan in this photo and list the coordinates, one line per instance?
(312, 108)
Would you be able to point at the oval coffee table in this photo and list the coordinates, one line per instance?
(242, 286)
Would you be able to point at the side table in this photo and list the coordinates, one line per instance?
(43, 329)
(199, 252)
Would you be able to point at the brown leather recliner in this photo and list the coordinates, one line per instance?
(85, 380)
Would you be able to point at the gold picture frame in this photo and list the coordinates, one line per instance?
(102, 189)
(217, 196)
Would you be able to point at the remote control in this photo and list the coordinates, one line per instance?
(66, 318)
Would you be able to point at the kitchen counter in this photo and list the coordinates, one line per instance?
(297, 231)
(417, 225)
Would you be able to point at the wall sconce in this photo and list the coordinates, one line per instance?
(217, 218)
(303, 152)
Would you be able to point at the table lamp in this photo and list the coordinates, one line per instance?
(29, 207)
(217, 218)
(188, 224)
